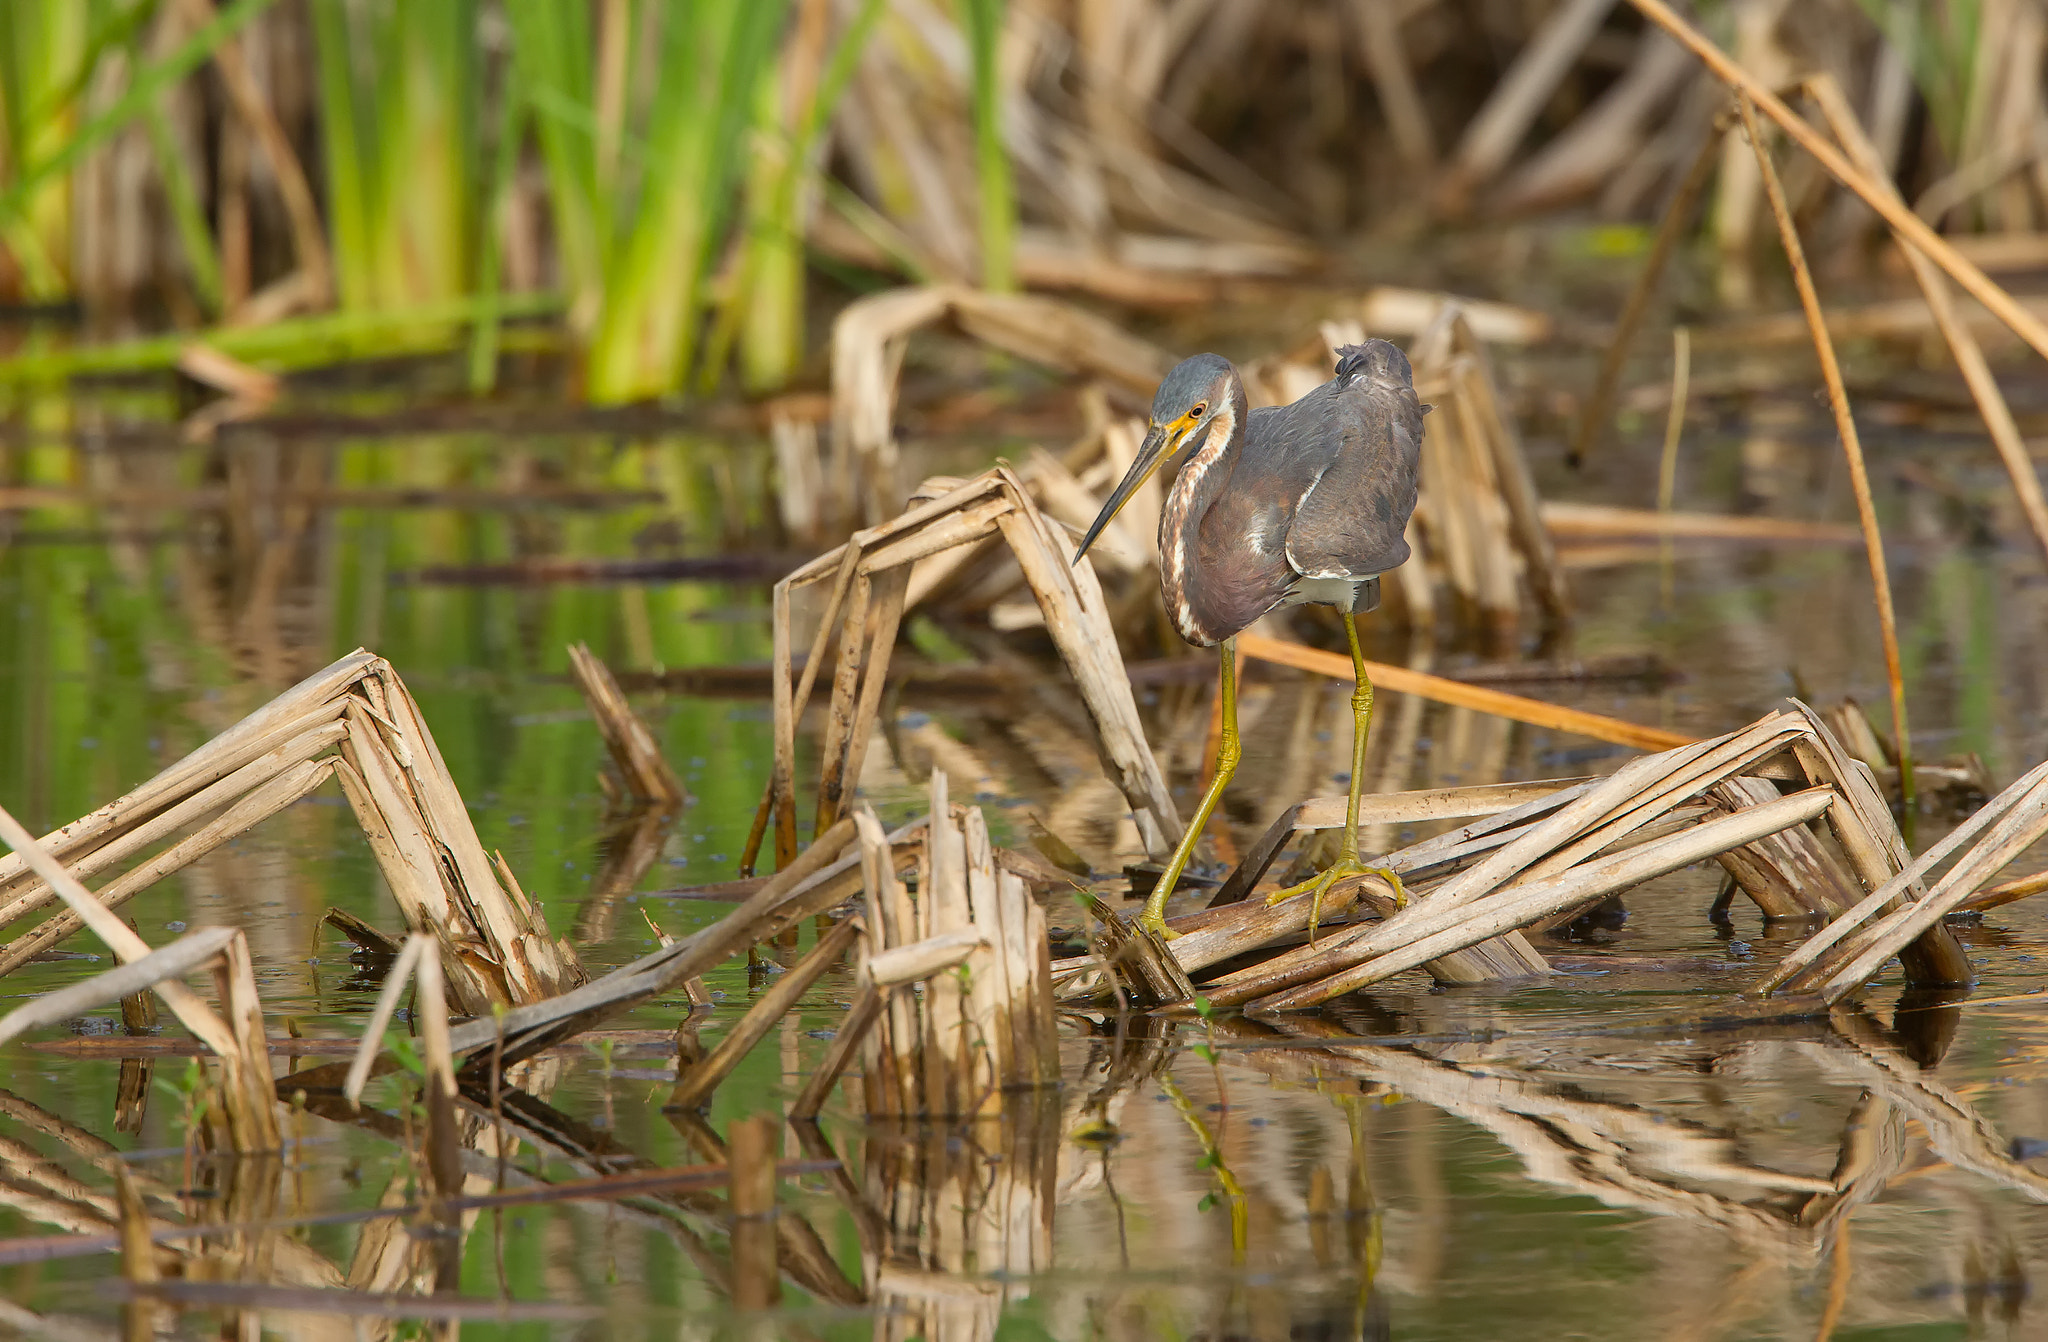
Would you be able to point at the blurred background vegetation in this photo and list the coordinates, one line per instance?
(675, 192)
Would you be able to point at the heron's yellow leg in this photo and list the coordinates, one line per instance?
(1347, 863)
(1227, 753)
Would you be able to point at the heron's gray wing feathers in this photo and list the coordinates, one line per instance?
(1363, 430)
(1321, 488)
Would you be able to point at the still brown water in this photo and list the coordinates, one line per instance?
(1541, 1161)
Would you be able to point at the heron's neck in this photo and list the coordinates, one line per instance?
(1195, 489)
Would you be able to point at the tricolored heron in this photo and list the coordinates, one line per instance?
(1283, 506)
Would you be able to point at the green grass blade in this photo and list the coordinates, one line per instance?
(984, 26)
(299, 342)
(345, 141)
(188, 215)
(766, 312)
(552, 49)
(483, 345)
(141, 94)
(713, 54)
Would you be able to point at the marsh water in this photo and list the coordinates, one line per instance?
(1548, 1160)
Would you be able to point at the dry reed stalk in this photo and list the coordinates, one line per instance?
(1512, 108)
(1667, 466)
(1070, 601)
(238, 1041)
(1378, 27)
(1600, 520)
(1401, 680)
(1788, 874)
(693, 1088)
(278, 794)
(867, 354)
(443, 1137)
(1513, 801)
(2008, 825)
(1845, 429)
(1548, 856)
(173, 962)
(1442, 930)
(891, 1082)
(1138, 968)
(1903, 221)
(1480, 402)
(851, 1035)
(388, 997)
(983, 1025)
(532, 961)
(1460, 504)
(494, 944)
(1969, 357)
(805, 888)
(1598, 414)
(631, 745)
(1393, 310)
(248, 739)
(2006, 892)
(1875, 849)
(1605, 146)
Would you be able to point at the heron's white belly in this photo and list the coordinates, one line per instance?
(1342, 593)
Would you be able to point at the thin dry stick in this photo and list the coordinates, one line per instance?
(629, 740)
(1852, 446)
(1907, 224)
(1600, 406)
(1674, 425)
(1402, 680)
(1969, 356)
(693, 1090)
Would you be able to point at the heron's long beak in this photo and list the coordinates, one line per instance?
(1160, 444)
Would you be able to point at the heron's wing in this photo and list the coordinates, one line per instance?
(1365, 428)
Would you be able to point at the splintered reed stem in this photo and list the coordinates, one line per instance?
(1852, 445)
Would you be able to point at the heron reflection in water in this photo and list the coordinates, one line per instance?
(1289, 505)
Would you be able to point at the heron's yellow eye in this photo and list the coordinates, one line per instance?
(1197, 410)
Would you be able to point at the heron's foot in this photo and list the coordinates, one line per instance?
(1319, 885)
(1154, 921)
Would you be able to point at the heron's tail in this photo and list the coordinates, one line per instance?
(1380, 360)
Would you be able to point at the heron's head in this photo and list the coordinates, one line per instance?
(1195, 392)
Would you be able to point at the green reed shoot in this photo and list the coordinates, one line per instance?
(399, 96)
(41, 49)
(712, 55)
(983, 22)
(766, 307)
(46, 50)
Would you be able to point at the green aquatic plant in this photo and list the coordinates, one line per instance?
(400, 95)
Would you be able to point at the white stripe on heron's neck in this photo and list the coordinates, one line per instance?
(1177, 522)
